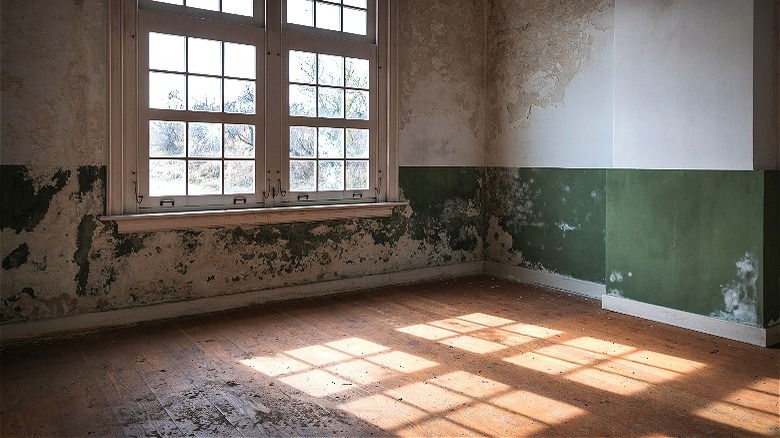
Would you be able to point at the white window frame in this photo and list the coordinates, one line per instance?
(127, 142)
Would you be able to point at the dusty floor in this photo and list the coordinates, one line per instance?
(474, 356)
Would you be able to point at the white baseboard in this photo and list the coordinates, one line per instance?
(553, 281)
(113, 318)
(704, 324)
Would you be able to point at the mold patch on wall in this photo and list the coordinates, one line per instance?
(441, 76)
(740, 296)
(68, 262)
(550, 220)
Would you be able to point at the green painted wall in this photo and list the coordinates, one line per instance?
(689, 240)
(771, 294)
(547, 219)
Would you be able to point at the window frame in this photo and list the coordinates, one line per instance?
(125, 113)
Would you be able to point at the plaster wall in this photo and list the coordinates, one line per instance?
(441, 77)
(684, 96)
(549, 83)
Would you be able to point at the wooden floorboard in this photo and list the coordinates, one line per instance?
(472, 356)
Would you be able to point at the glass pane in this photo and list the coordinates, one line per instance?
(356, 72)
(331, 70)
(328, 16)
(331, 143)
(239, 7)
(166, 178)
(357, 175)
(240, 61)
(205, 94)
(331, 102)
(357, 143)
(204, 56)
(166, 91)
(302, 100)
(239, 96)
(166, 139)
(166, 52)
(303, 67)
(205, 140)
(302, 176)
(239, 141)
(330, 175)
(302, 141)
(357, 104)
(300, 12)
(211, 5)
(204, 177)
(356, 3)
(239, 177)
(355, 21)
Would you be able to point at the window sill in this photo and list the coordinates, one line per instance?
(188, 220)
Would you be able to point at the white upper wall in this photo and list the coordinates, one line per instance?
(683, 84)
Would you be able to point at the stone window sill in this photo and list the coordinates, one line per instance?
(188, 220)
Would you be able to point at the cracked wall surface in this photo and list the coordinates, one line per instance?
(549, 87)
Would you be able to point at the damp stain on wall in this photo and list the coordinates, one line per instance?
(740, 296)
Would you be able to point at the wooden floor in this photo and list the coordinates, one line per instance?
(473, 356)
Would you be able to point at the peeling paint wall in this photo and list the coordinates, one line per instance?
(441, 77)
(549, 83)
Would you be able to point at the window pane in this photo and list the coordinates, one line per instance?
(356, 73)
(204, 177)
(355, 21)
(240, 61)
(330, 102)
(205, 94)
(328, 16)
(239, 177)
(357, 104)
(166, 91)
(331, 175)
(303, 67)
(331, 143)
(302, 141)
(239, 141)
(166, 52)
(166, 177)
(205, 140)
(357, 143)
(166, 139)
(204, 56)
(302, 176)
(302, 100)
(357, 175)
(239, 7)
(356, 3)
(330, 70)
(300, 12)
(211, 5)
(239, 96)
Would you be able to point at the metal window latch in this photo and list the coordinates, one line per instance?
(357, 195)
(282, 193)
(138, 198)
(304, 197)
(239, 200)
(267, 191)
(166, 203)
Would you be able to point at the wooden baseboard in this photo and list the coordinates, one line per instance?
(704, 324)
(15, 332)
(553, 281)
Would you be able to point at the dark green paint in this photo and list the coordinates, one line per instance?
(17, 258)
(537, 206)
(681, 233)
(771, 268)
(90, 177)
(23, 207)
(126, 244)
(85, 233)
(436, 195)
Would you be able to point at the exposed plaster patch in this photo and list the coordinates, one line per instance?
(740, 295)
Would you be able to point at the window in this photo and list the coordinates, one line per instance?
(236, 104)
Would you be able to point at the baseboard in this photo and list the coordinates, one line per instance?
(704, 324)
(553, 281)
(15, 332)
